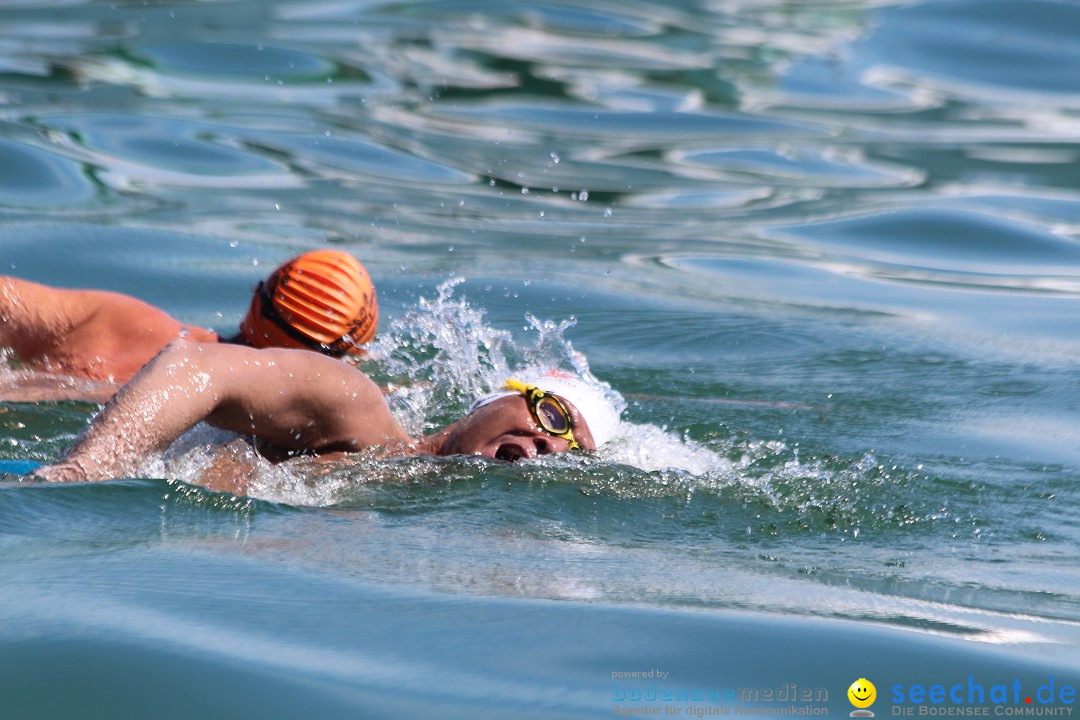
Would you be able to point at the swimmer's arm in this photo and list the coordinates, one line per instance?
(294, 399)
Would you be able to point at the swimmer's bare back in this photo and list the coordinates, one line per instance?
(90, 334)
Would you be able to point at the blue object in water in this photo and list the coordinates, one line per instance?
(18, 467)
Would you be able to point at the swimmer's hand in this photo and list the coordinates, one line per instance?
(62, 472)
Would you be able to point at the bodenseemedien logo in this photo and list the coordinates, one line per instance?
(862, 695)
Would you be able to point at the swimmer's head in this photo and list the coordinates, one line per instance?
(323, 300)
(586, 403)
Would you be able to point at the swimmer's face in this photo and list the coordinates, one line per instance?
(862, 693)
(505, 430)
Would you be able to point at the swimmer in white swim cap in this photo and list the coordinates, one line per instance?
(293, 402)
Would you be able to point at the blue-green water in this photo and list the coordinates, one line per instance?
(827, 251)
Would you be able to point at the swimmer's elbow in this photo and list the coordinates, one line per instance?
(179, 346)
(181, 354)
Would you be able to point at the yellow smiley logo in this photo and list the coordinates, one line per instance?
(862, 693)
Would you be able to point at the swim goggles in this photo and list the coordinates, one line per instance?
(550, 414)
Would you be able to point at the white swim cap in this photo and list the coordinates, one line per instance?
(596, 407)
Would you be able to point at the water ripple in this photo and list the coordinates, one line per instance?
(574, 121)
(945, 239)
(989, 49)
(33, 177)
(166, 150)
(261, 76)
(830, 167)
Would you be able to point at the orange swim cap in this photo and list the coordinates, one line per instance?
(323, 300)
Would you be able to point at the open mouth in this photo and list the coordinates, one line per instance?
(510, 452)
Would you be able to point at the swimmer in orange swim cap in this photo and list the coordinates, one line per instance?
(323, 300)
